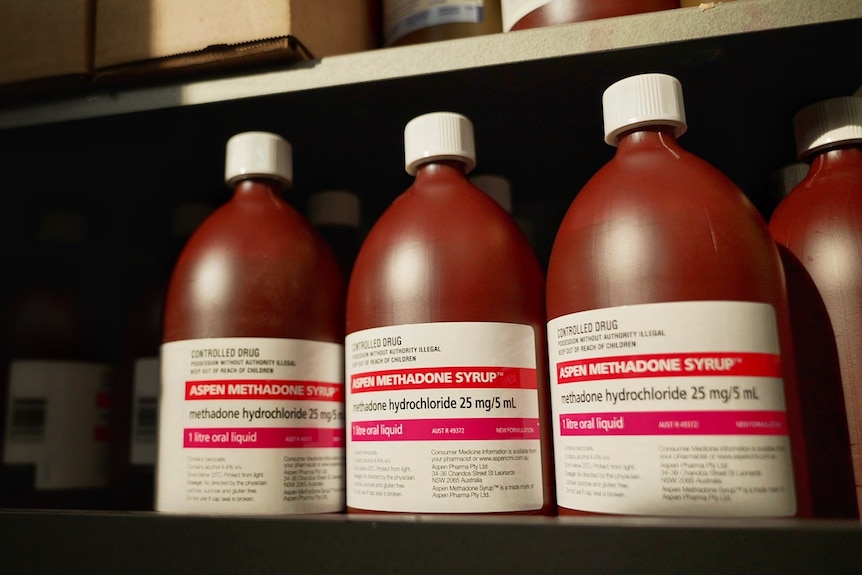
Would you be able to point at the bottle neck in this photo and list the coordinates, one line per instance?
(838, 156)
(258, 185)
(441, 168)
(661, 135)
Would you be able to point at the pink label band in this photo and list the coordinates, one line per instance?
(675, 423)
(262, 437)
(445, 429)
(670, 365)
(264, 389)
(445, 378)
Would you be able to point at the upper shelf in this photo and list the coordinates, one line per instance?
(584, 38)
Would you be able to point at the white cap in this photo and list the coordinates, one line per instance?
(438, 136)
(495, 186)
(334, 207)
(643, 100)
(827, 123)
(258, 154)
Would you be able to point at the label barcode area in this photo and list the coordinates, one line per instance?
(27, 422)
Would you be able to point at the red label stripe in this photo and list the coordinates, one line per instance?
(670, 365)
(264, 389)
(445, 378)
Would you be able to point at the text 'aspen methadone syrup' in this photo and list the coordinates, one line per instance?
(818, 228)
(251, 407)
(667, 322)
(445, 367)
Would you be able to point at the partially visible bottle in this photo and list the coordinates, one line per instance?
(496, 186)
(419, 21)
(336, 214)
(500, 188)
(445, 347)
(818, 228)
(671, 356)
(251, 416)
(523, 14)
(784, 179)
(690, 3)
(57, 379)
(138, 372)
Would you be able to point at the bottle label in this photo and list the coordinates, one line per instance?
(443, 418)
(145, 398)
(251, 426)
(671, 409)
(58, 419)
(401, 17)
(514, 10)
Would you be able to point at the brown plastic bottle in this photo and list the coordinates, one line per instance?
(56, 383)
(252, 359)
(668, 333)
(523, 14)
(818, 228)
(445, 349)
(411, 22)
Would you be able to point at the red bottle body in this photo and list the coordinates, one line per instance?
(659, 225)
(253, 332)
(445, 253)
(280, 278)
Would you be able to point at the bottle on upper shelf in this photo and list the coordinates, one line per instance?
(419, 21)
(523, 14)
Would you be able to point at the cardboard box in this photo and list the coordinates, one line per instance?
(45, 42)
(148, 37)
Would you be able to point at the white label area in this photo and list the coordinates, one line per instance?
(401, 17)
(671, 409)
(443, 418)
(514, 10)
(145, 402)
(58, 419)
(251, 426)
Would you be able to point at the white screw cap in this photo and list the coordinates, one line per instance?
(258, 154)
(334, 208)
(643, 100)
(438, 136)
(827, 123)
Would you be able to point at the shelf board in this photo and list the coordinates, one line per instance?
(583, 38)
(148, 542)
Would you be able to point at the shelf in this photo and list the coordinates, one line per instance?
(584, 38)
(130, 543)
(130, 154)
